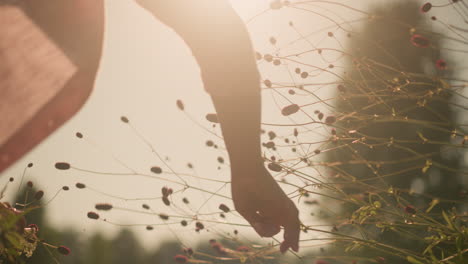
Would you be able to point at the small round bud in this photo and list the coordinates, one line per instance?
(38, 195)
(224, 208)
(64, 250)
(290, 109)
(62, 166)
(180, 105)
(124, 119)
(93, 215)
(164, 216)
(103, 206)
(156, 170)
(199, 225)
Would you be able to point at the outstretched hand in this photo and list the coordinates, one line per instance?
(235, 91)
(261, 201)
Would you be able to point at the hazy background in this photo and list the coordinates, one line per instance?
(145, 68)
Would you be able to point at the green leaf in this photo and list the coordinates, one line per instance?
(413, 260)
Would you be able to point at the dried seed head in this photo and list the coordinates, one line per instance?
(269, 145)
(185, 200)
(183, 223)
(290, 109)
(209, 143)
(271, 135)
(330, 120)
(80, 185)
(426, 7)
(164, 216)
(145, 206)
(420, 41)
(30, 165)
(224, 208)
(272, 40)
(93, 215)
(103, 206)
(149, 228)
(165, 191)
(124, 119)
(166, 201)
(64, 250)
(29, 184)
(213, 118)
(221, 160)
(156, 170)
(199, 225)
(267, 83)
(79, 135)
(38, 195)
(304, 75)
(62, 166)
(180, 105)
(65, 188)
(268, 57)
(275, 167)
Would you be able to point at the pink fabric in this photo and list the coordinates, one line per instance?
(76, 27)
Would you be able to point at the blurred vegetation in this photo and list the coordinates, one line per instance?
(392, 157)
(398, 115)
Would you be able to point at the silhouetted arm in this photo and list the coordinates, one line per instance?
(222, 47)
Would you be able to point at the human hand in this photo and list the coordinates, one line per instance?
(261, 201)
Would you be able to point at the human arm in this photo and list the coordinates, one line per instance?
(222, 47)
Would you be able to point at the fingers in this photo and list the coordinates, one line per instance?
(262, 225)
(291, 232)
(265, 229)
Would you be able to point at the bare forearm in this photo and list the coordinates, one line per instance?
(239, 117)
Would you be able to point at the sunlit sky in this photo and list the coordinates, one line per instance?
(145, 68)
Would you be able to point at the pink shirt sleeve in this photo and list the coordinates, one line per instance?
(61, 57)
